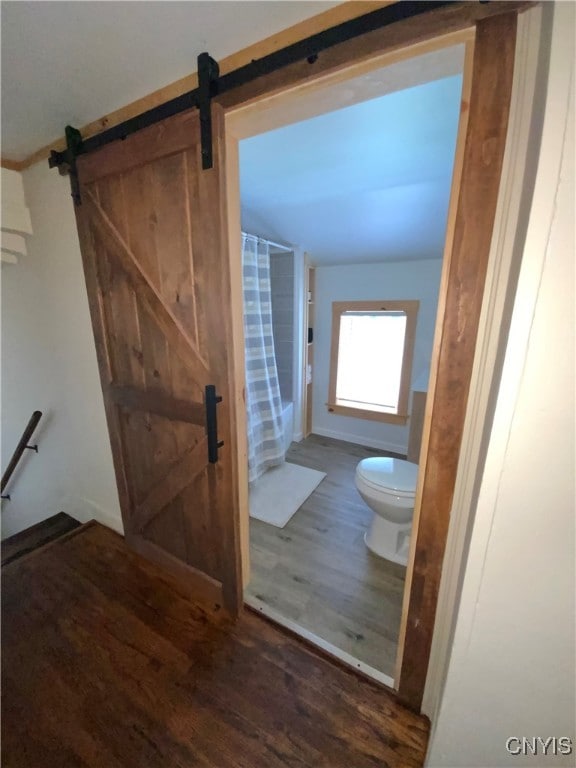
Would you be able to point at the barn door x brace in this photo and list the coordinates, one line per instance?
(211, 84)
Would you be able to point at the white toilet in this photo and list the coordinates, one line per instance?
(388, 486)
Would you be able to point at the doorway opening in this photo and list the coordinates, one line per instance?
(207, 540)
(344, 202)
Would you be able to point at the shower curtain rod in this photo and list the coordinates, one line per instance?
(270, 242)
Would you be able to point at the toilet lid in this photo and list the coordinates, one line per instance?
(393, 474)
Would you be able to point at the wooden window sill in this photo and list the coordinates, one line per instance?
(361, 413)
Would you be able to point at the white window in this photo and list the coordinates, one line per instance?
(371, 360)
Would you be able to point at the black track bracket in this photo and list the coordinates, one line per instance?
(66, 161)
(208, 74)
(211, 83)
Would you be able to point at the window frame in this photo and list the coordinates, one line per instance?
(410, 308)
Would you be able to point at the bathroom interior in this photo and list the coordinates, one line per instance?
(344, 219)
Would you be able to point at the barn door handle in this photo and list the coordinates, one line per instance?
(212, 400)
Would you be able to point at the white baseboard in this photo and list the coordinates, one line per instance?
(381, 445)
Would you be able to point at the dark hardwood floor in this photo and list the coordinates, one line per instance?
(318, 572)
(36, 536)
(106, 663)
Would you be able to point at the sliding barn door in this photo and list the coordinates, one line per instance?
(152, 231)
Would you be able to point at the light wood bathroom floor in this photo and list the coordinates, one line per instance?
(318, 572)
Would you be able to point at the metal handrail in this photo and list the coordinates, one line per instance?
(20, 448)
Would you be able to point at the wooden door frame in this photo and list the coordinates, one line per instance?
(489, 32)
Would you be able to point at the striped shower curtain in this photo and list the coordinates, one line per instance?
(263, 403)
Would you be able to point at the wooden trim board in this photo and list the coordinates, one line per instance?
(505, 257)
(322, 94)
(330, 18)
(440, 313)
(11, 165)
(359, 413)
(454, 355)
(396, 40)
(232, 176)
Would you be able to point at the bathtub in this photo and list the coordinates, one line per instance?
(287, 423)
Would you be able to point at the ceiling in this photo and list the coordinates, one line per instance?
(73, 62)
(367, 183)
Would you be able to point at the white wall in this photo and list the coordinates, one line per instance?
(49, 364)
(512, 667)
(358, 282)
(16, 224)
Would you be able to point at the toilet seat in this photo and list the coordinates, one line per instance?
(388, 476)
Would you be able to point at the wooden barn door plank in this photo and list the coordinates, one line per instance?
(151, 228)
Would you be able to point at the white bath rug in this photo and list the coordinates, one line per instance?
(278, 494)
